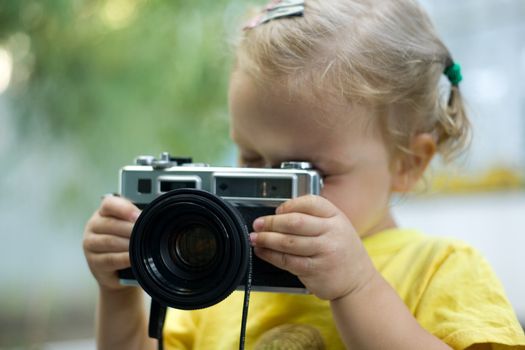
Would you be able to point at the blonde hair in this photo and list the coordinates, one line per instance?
(382, 53)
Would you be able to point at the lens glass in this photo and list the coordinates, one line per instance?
(194, 246)
(189, 249)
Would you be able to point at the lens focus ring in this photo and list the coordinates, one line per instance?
(188, 249)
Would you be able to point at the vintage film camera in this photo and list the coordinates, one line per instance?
(189, 248)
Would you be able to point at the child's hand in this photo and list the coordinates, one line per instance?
(106, 240)
(314, 240)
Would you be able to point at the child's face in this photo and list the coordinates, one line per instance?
(269, 127)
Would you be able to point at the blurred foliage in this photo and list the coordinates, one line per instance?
(106, 81)
(121, 76)
(95, 83)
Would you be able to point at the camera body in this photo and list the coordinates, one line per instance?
(196, 221)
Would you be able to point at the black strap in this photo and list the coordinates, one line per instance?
(247, 290)
(158, 312)
(157, 316)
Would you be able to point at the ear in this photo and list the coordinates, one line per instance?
(408, 168)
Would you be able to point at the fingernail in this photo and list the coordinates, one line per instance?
(106, 195)
(258, 224)
(253, 238)
(135, 215)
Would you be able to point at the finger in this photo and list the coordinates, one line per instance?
(297, 265)
(294, 223)
(111, 226)
(102, 243)
(309, 204)
(119, 207)
(110, 261)
(285, 243)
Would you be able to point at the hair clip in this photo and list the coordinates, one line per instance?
(453, 73)
(277, 9)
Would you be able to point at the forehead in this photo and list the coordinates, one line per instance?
(294, 121)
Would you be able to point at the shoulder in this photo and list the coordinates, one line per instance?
(398, 241)
(444, 265)
(409, 256)
(449, 287)
(425, 269)
(446, 260)
(440, 252)
(459, 298)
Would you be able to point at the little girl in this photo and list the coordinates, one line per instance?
(352, 86)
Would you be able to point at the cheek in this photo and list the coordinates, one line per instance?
(350, 201)
(364, 201)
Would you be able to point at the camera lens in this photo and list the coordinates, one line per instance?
(194, 245)
(189, 249)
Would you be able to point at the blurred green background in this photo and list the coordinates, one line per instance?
(87, 85)
(119, 77)
(91, 85)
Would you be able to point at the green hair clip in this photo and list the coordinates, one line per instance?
(453, 73)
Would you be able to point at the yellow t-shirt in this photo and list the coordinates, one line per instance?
(448, 287)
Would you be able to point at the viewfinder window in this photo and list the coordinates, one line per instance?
(253, 187)
(170, 185)
(144, 186)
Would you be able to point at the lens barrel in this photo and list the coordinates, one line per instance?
(189, 249)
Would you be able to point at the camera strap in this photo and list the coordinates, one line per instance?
(157, 315)
(158, 312)
(246, 304)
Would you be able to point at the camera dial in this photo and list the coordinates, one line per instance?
(144, 160)
(163, 162)
(297, 165)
